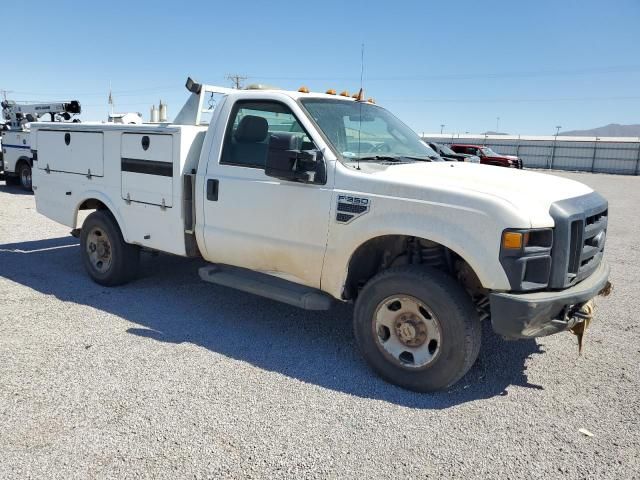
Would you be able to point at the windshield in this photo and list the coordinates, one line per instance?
(362, 130)
(445, 150)
(488, 152)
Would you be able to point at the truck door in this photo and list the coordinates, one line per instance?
(260, 222)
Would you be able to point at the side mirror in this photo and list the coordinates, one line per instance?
(286, 159)
(294, 165)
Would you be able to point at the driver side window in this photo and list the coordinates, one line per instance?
(252, 127)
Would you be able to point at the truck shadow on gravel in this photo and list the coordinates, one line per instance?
(13, 189)
(170, 304)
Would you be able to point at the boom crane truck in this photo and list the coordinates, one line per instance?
(16, 162)
(316, 198)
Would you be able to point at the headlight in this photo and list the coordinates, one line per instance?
(525, 255)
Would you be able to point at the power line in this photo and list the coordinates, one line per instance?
(510, 100)
(474, 76)
(237, 79)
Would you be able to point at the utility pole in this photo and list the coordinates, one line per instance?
(442, 125)
(555, 141)
(110, 100)
(236, 80)
(497, 124)
(4, 94)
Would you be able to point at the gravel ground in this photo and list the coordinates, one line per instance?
(169, 377)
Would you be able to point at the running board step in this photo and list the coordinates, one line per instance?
(266, 286)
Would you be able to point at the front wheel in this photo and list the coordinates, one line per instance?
(417, 328)
(108, 259)
(24, 174)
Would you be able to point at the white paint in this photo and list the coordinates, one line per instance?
(286, 228)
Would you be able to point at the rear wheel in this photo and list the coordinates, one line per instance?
(11, 179)
(24, 174)
(417, 328)
(108, 259)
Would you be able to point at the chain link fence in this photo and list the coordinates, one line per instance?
(588, 154)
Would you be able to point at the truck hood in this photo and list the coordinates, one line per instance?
(529, 193)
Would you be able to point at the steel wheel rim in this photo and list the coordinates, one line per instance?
(99, 250)
(25, 177)
(407, 332)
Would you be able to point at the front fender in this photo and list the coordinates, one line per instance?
(470, 233)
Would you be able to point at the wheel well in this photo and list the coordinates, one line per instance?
(22, 160)
(389, 251)
(92, 204)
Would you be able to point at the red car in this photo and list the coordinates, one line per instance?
(488, 156)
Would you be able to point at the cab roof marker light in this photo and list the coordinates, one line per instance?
(331, 91)
(344, 93)
(303, 89)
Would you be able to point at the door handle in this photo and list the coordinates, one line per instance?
(212, 189)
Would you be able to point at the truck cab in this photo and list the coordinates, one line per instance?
(313, 198)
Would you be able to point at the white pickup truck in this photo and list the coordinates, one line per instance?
(313, 198)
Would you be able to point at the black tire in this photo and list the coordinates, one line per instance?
(11, 180)
(24, 176)
(457, 320)
(123, 258)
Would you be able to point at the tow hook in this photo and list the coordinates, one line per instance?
(582, 316)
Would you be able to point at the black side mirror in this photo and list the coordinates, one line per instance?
(287, 161)
(294, 165)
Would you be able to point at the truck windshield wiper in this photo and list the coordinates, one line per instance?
(421, 159)
(372, 158)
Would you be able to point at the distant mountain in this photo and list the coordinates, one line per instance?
(490, 132)
(611, 130)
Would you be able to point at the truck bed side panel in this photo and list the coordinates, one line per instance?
(152, 178)
(71, 152)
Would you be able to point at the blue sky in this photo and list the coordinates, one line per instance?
(534, 64)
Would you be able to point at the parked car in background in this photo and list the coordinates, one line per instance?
(434, 155)
(488, 156)
(446, 153)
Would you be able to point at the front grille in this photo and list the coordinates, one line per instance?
(579, 238)
(591, 246)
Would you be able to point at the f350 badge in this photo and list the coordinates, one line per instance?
(349, 208)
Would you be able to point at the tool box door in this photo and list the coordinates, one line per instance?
(147, 168)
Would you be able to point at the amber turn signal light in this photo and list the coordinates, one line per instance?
(512, 240)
